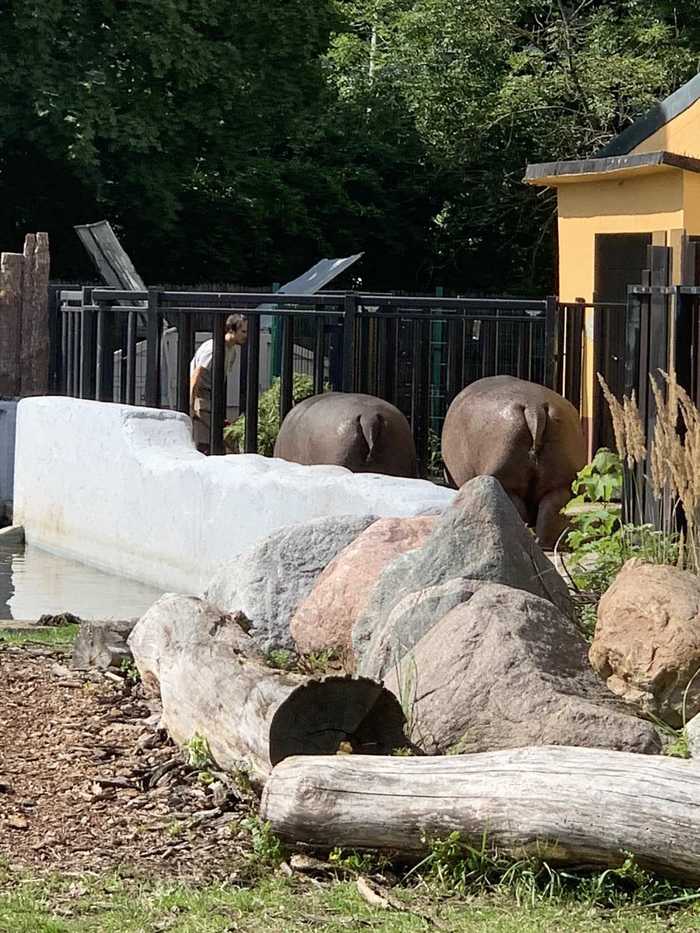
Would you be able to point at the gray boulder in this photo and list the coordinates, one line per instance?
(269, 582)
(692, 732)
(507, 669)
(480, 538)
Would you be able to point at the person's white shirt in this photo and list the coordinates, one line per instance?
(204, 355)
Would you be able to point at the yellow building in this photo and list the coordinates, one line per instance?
(642, 189)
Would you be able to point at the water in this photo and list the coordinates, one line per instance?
(34, 582)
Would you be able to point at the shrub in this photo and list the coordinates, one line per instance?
(268, 417)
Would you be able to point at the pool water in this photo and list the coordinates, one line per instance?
(34, 582)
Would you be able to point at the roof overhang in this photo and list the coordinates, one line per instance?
(553, 174)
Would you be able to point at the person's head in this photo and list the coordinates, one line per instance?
(236, 330)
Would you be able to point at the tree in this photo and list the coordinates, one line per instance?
(494, 85)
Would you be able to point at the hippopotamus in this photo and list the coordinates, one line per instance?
(360, 432)
(525, 435)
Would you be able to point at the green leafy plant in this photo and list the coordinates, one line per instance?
(130, 671)
(198, 752)
(268, 416)
(268, 849)
(598, 541)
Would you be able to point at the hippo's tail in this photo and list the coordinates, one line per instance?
(536, 419)
(371, 426)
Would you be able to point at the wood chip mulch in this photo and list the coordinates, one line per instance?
(89, 784)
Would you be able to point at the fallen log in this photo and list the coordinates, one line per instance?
(578, 806)
(214, 683)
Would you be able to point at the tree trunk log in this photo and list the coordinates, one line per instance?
(568, 805)
(213, 682)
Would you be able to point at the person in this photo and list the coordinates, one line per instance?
(200, 378)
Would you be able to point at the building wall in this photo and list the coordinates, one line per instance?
(123, 489)
(649, 203)
(642, 204)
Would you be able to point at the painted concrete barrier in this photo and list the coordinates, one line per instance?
(124, 489)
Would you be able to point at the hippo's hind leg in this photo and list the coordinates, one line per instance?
(550, 522)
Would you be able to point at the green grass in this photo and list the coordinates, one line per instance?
(113, 905)
(59, 636)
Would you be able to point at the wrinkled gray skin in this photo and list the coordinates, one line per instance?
(360, 432)
(527, 436)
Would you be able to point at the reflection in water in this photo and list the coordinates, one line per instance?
(34, 582)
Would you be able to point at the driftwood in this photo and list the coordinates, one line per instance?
(213, 682)
(569, 805)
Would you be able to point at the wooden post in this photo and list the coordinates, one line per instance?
(24, 319)
(34, 342)
(11, 273)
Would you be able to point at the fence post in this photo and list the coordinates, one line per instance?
(287, 367)
(253, 386)
(154, 329)
(218, 385)
(184, 356)
(349, 320)
(104, 375)
(87, 346)
(551, 343)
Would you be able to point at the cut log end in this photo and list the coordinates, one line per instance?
(346, 714)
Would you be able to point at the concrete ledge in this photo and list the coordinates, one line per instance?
(125, 490)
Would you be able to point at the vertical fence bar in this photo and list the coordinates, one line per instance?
(251, 412)
(131, 358)
(122, 327)
(420, 400)
(67, 351)
(75, 387)
(184, 356)
(104, 374)
(87, 346)
(551, 343)
(455, 352)
(55, 338)
(63, 384)
(218, 385)
(391, 360)
(320, 355)
(287, 367)
(154, 331)
(349, 321)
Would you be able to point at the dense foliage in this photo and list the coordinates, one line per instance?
(241, 141)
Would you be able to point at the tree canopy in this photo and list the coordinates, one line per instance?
(241, 141)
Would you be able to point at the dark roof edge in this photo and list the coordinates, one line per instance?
(600, 166)
(659, 115)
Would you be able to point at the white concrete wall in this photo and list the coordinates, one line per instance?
(124, 489)
(8, 412)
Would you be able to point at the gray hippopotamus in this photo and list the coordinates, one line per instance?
(527, 436)
(360, 432)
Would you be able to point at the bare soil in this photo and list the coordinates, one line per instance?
(88, 782)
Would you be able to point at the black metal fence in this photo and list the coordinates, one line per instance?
(416, 352)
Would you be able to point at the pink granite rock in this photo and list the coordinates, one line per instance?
(326, 618)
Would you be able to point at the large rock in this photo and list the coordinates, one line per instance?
(269, 582)
(480, 538)
(326, 617)
(647, 640)
(507, 669)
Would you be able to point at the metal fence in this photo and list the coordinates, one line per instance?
(417, 352)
